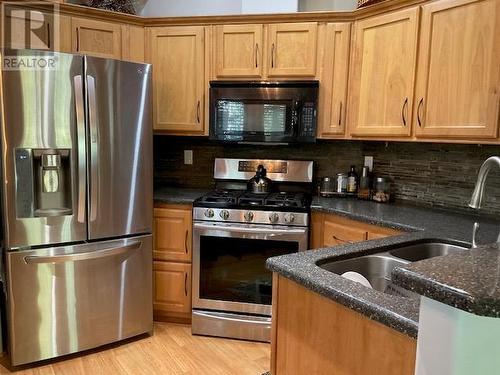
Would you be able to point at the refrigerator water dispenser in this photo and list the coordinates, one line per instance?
(43, 182)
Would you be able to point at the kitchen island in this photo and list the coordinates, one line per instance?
(373, 311)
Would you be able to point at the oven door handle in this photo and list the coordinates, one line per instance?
(258, 230)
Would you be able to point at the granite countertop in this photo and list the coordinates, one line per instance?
(421, 224)
(469, 280)
(172, 195)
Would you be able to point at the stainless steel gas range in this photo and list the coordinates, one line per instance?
(234, 232)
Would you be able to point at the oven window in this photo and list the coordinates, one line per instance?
(233, 269)
(236, 117)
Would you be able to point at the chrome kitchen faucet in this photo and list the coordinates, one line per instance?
(477, 195)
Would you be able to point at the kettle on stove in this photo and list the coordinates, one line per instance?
(259, 183)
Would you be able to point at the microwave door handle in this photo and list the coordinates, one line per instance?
(258, 230)
(94, 175)
(80, 131)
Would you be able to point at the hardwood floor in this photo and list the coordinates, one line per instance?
(171, 350)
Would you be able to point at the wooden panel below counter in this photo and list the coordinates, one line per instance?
(320, 336)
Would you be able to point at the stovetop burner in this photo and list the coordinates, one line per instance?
(284, 201)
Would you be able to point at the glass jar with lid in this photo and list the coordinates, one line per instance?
(381, 189)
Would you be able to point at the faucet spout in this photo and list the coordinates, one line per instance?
(477, 195)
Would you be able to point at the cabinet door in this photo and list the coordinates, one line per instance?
(383, 74)
(96, 38)
(292, 49)
(338, 234)
(172, 288)
(177, 54)
(172, 233)
(334, 82)
(133, 43)
(238, 50)
(458, 81)
(28, 29)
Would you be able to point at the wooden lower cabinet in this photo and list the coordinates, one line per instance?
(331, 230)
(172, 256)
(172, 291)
(320, 336)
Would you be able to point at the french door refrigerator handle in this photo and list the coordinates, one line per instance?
(113, 251)
(94, 175)
(80, 131)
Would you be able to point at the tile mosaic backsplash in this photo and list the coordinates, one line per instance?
(441, 175)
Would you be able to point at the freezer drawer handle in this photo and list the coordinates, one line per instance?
(83, 256)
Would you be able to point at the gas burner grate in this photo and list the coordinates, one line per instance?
(285, 199)
(251, 199)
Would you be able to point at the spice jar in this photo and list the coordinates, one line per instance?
(381, 190)
(341, 183)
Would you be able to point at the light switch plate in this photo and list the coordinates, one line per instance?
(188, 157)
(369, 163)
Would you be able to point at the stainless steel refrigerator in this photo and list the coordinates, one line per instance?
(76, 203)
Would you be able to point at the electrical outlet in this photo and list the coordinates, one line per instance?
(188, 157)
(369, 163)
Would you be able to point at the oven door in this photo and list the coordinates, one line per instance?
(229, 272)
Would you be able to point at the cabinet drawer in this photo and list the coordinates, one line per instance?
(338, 234)
(172, 233)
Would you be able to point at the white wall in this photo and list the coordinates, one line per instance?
(268, 6)
(176, 8)
(337, 5)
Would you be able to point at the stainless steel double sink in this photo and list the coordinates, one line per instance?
(377, 268)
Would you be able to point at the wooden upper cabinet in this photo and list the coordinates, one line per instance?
(292, 49)
(96, 38)
(25, 29)
(133, 43)
(383, 74)
(458, 80)
(172, 233)
(177, 55)
(333, 88)
(238, 50)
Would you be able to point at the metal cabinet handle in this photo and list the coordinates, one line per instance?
(33, 259)
(77, 39)
(81, 146)
(341, 240)
(186, 284)
(186, 241)
(419, 120)
(256, 55)
(48, 35)
(403, 111)
(272, 55)
(198, 112)
(340, 114)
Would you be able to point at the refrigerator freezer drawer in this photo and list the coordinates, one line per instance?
(67, 299)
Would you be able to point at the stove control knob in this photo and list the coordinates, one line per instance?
(274, 217)
(224, 214)
(209, 213)
(289, 218)
(248, 216)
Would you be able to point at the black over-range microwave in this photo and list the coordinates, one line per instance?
(255, 112)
